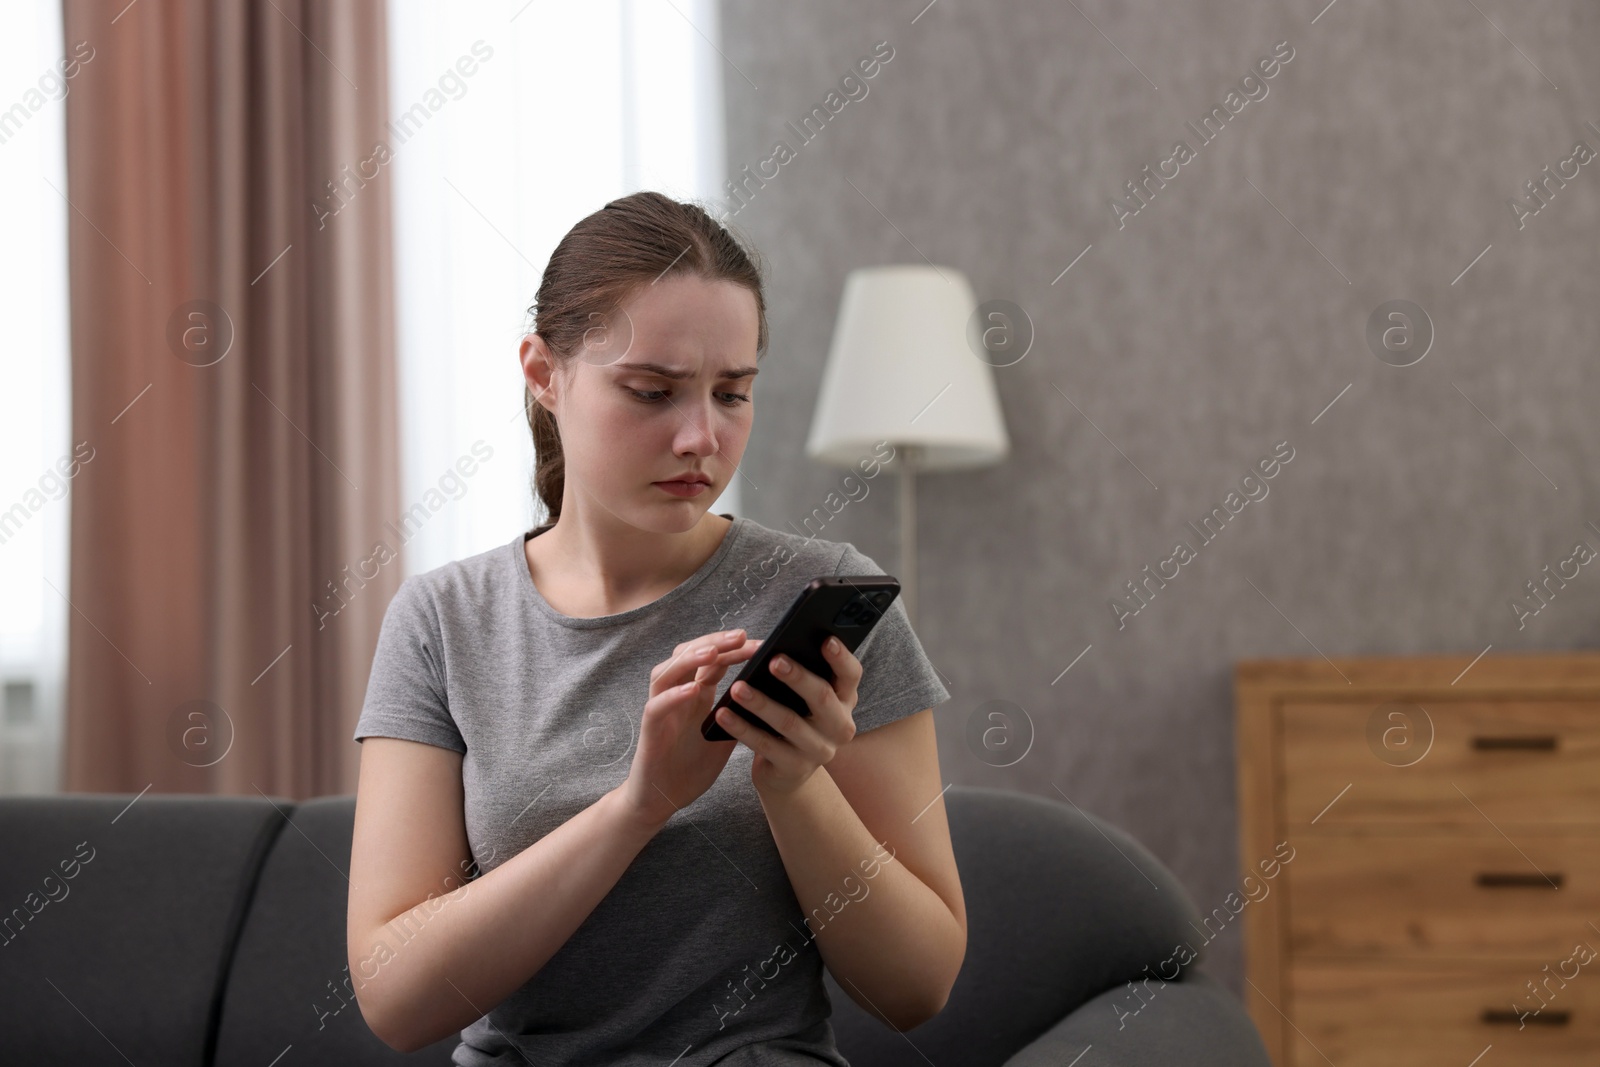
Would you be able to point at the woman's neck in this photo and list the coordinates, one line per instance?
(586, 574)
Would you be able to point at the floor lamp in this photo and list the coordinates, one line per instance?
(909, 365)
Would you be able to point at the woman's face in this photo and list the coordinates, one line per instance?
(664, 388)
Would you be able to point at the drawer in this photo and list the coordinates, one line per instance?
(1487, 762)
(1401, 894)
(1434, 1017)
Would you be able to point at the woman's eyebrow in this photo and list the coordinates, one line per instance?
(678, 374)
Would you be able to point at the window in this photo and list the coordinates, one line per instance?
(35, 418)
(510, 121)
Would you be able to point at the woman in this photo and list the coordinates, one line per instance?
(549, 856)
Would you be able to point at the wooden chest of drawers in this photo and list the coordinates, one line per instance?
(1442, 902)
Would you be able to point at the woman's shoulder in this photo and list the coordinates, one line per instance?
(465, 581)
(808, 552)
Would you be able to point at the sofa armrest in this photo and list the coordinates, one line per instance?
(1192, 1021)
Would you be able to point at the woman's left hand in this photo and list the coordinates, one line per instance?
(785, 763)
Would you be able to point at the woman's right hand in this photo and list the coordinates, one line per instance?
(674, 763)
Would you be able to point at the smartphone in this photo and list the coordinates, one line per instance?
(842, 606)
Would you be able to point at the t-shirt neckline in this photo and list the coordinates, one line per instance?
(531, 591)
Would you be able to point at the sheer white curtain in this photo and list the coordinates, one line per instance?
(514, 119)
(37, 464)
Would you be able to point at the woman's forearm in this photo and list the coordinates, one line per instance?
(446, 962)
(892, 942)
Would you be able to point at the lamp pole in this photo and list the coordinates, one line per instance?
(910, 459)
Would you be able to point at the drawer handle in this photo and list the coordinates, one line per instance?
(1497, 1016)
(1518, 880)
(1523, 743)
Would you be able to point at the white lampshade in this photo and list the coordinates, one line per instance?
(901, 370)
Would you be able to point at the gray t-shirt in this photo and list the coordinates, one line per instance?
(699, 954)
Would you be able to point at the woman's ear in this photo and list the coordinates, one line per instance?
(538, 369)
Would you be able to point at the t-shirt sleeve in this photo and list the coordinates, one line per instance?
(406, 689)
(897, 678)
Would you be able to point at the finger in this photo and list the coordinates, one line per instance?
(830, 715)
(674, 699)
(830, 702)
(683, 665)
(721, 638)
(711, 673)
(691, 656)
(714, 635)
(809, 685)
(740, 652)
(728, 658)
(794, 728)
(755, 738)
(847, 669)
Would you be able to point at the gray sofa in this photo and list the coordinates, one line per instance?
(188, 931)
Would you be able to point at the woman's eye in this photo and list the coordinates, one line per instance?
(653, 395)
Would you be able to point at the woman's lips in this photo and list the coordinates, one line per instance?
(685, 489)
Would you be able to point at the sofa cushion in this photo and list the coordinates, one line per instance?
(291, 984)
(119, 914)
(1060, 907)
(1194, 1022)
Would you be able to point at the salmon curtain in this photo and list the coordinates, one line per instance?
(233, 377)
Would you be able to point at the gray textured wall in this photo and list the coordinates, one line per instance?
(1196, 337)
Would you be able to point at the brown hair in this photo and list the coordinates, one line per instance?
(597, 266)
